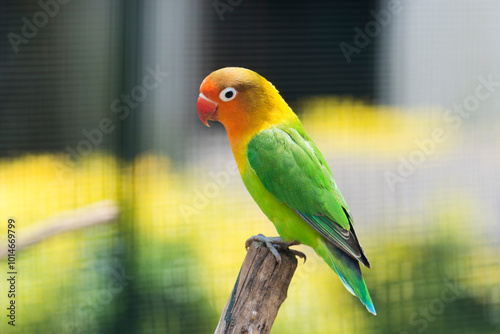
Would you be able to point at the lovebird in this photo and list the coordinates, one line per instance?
(284, 172)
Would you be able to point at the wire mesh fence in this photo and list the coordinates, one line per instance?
(98, 103)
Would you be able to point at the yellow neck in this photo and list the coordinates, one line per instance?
(240, 135)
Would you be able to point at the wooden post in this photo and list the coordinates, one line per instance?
(259, 291)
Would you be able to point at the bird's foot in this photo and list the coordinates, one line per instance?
(275, 242)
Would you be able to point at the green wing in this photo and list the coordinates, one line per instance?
(291, 168)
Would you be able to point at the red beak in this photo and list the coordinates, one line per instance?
(207, 109)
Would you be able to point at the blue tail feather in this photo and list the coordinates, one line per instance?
(350, 274)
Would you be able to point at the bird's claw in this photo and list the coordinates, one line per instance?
(266, 241)
(273, 242)
(299, 254)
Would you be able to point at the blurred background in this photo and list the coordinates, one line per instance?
(129, 214)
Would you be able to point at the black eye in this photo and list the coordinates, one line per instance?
(228, 94)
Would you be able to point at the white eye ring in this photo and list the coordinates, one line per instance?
(228, 94)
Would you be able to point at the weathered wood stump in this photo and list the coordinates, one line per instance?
(259, 291)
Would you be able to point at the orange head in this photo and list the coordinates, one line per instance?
(242, 100)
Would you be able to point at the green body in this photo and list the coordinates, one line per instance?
(291, 182)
